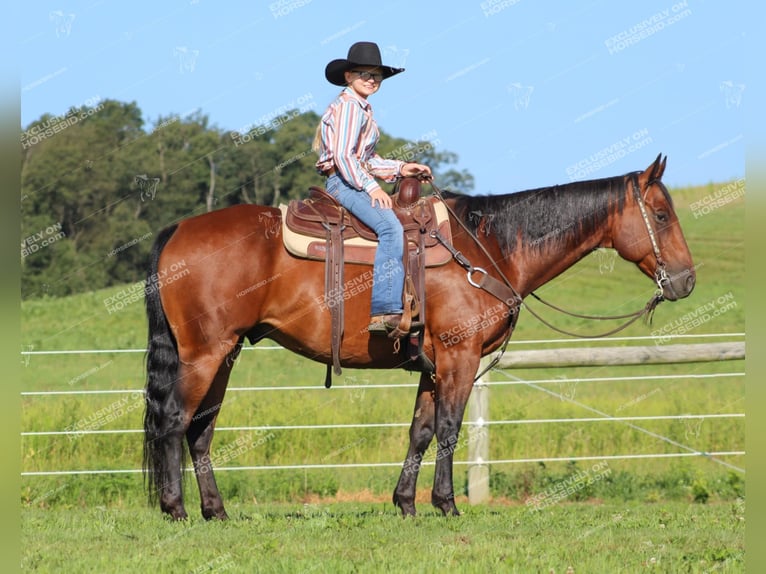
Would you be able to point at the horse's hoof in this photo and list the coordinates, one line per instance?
(178, 515)
(447, 506)
(407, 508)
(215, 515)
(175, 511)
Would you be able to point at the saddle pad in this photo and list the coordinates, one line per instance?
(360, 250)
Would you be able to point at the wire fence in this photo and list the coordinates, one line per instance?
(600, 417)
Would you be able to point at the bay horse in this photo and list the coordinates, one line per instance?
(223, 276)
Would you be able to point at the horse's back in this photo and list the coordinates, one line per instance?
(224, 234)
(231, 221)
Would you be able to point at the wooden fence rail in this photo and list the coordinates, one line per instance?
(601, 356)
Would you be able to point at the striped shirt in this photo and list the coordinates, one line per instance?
(349, 135)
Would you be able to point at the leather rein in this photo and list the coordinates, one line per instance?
(505, 292)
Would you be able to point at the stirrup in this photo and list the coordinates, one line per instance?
(384, 324)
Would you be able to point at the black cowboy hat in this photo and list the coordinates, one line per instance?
(360, 54)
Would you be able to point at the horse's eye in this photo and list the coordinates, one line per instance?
(661, 216)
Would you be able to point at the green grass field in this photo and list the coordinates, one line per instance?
(301, 519)
(354, 537)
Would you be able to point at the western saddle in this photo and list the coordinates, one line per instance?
(320, 228)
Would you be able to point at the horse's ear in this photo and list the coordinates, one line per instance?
(657, 168)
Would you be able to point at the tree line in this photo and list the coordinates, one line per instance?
(97, 184)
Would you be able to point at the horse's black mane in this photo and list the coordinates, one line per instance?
(543, 217)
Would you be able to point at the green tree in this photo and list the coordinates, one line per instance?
(187, 157)
(74, 178)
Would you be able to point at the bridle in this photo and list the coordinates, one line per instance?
(660, 273)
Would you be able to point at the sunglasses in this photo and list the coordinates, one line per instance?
(365, 75)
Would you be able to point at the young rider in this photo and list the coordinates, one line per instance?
(346, 140)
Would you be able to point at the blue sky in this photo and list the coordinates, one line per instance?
(526, 93)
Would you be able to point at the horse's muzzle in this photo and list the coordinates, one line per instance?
(679, 285)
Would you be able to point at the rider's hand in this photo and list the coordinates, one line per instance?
(411, 169)
(382, 198)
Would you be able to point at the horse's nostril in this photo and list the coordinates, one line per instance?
(690, 283)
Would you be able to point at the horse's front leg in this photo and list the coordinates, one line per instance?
(421, 432)
(453, 389)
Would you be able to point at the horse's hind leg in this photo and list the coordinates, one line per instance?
(164, 426)
(199, 435)
(421, 432)
(170, 448)
(171, 403)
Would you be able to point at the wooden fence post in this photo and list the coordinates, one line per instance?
(478, 441)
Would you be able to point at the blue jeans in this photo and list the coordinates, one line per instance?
(388, 269)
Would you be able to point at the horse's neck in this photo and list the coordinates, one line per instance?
(535, 267)
(559, 236)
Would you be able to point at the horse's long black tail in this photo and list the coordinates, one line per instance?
(163, 417)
